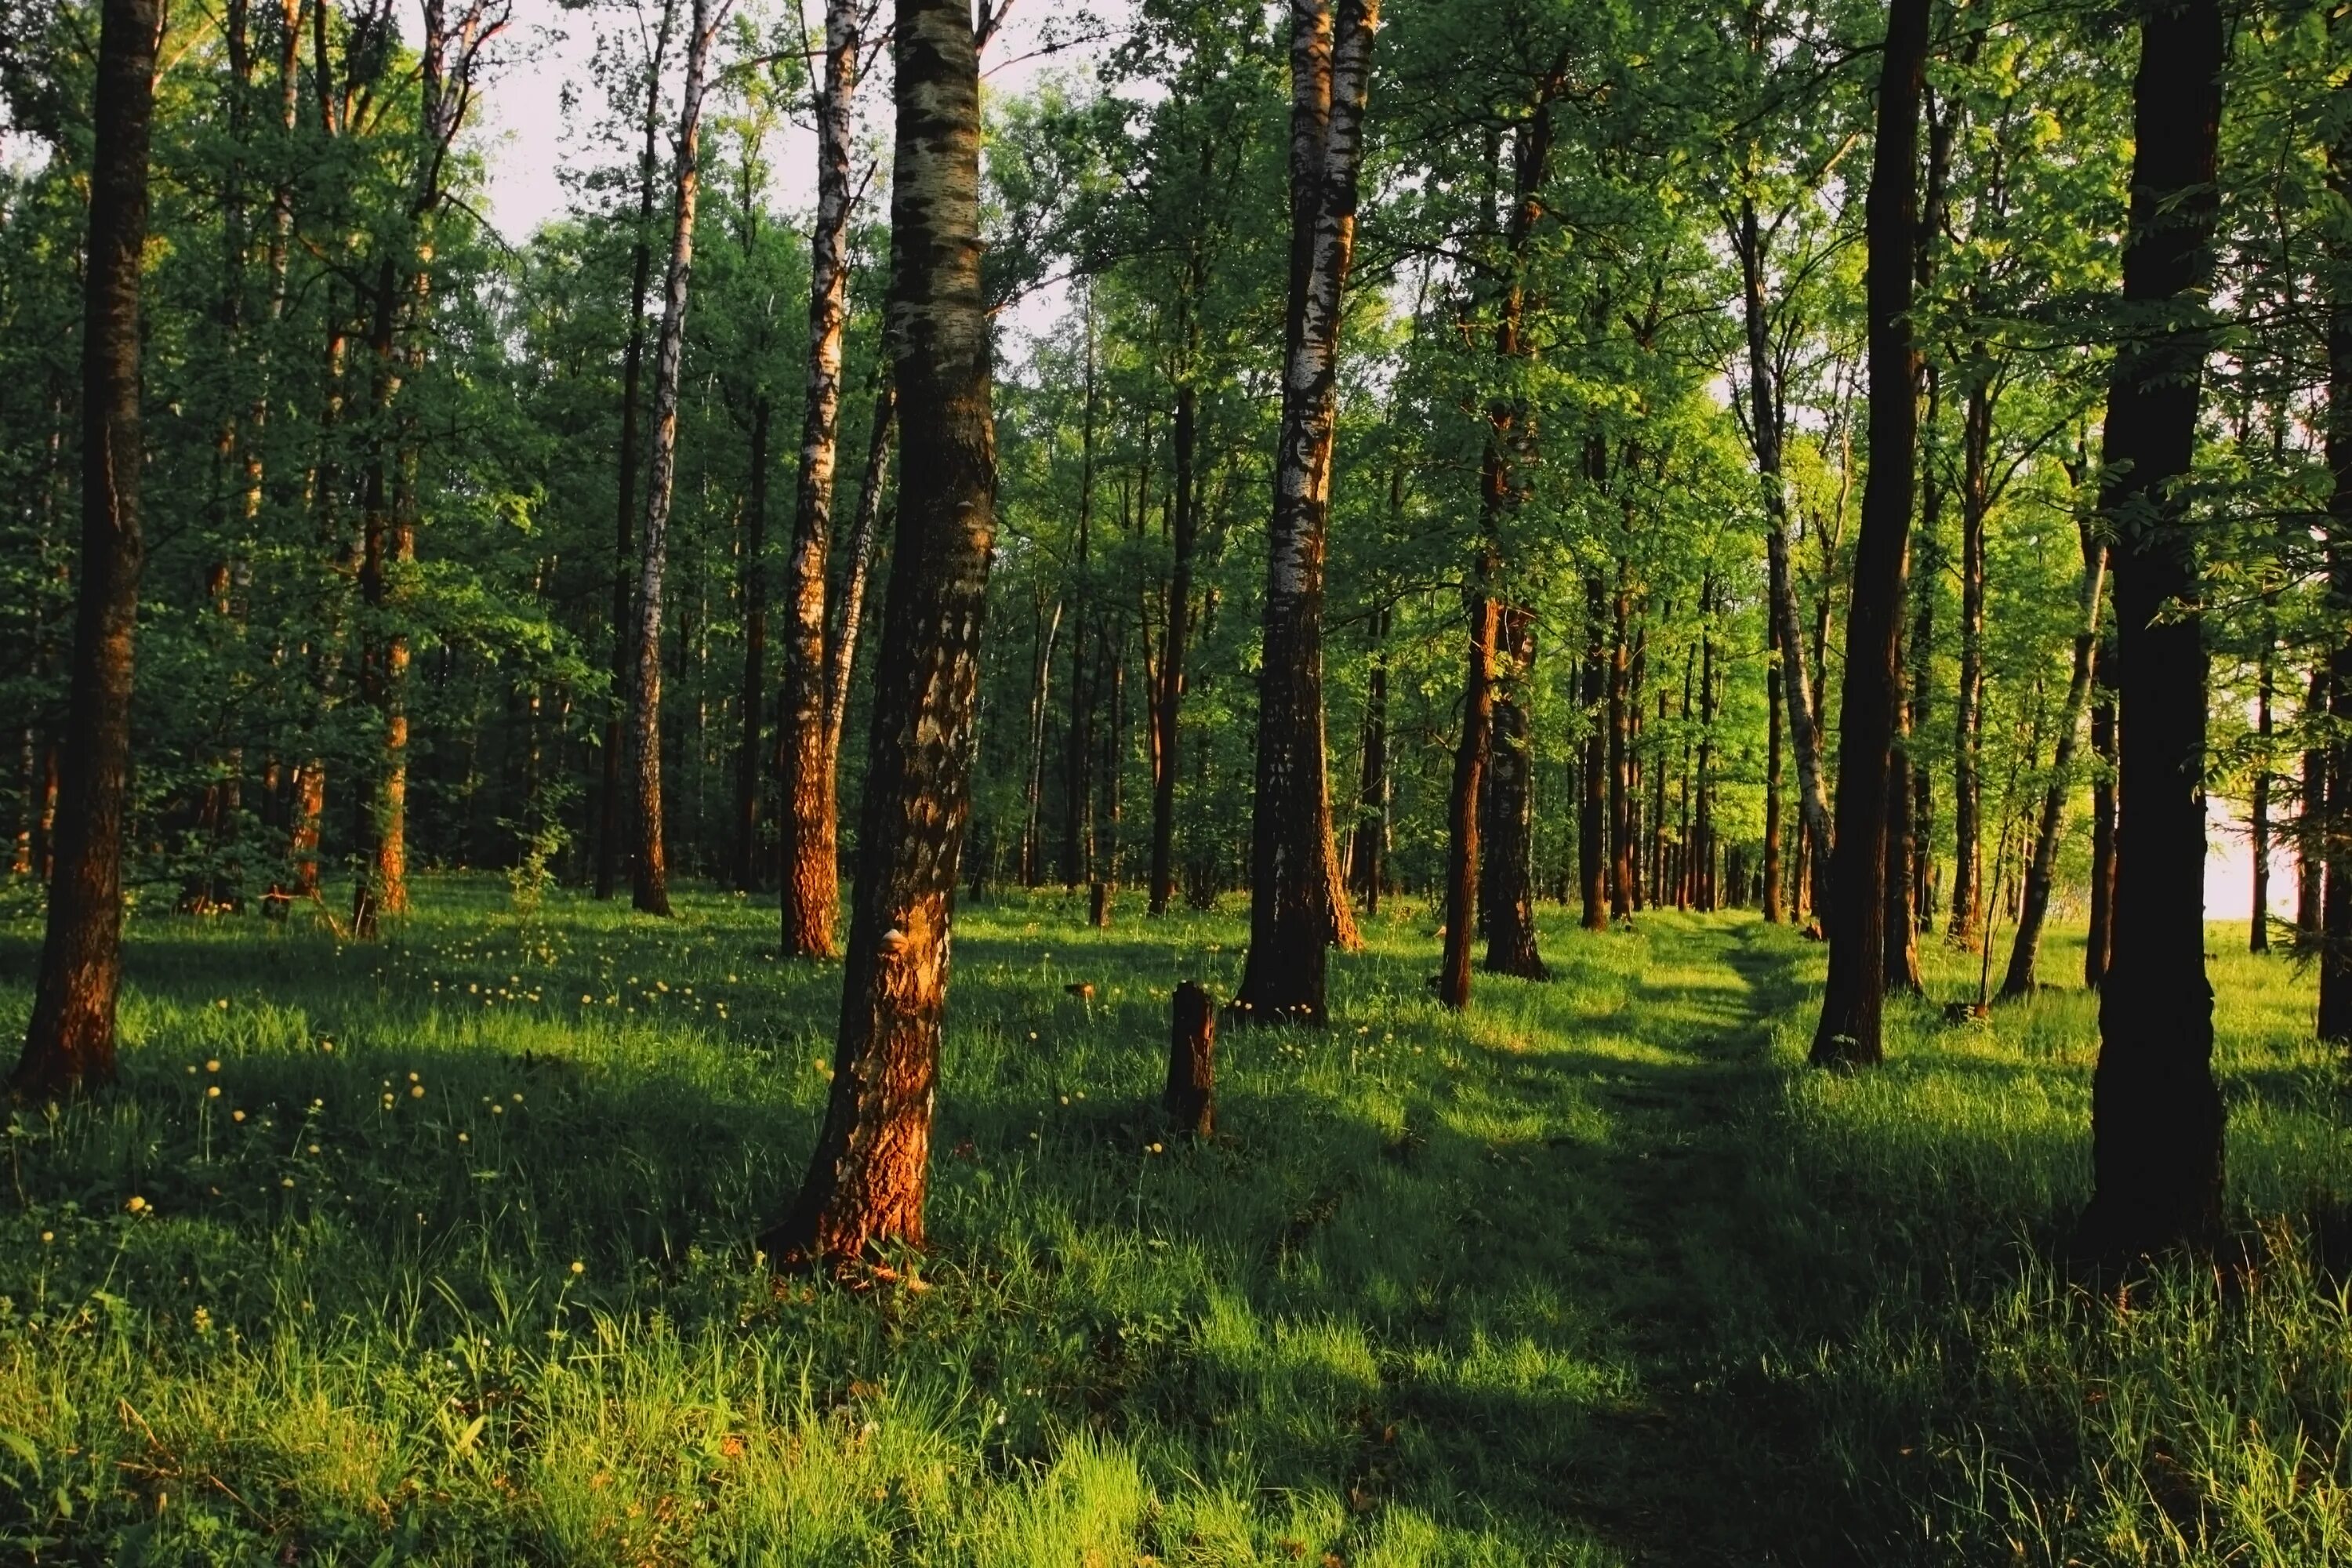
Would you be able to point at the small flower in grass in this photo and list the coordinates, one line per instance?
(213, 1065)
(213, 1092)
(465, 1138)
(286, 1181)
(135, 1205)
(236, 1116)
(1155, 1148)
(578, 1266)
(498, 1110)
(416, 1091)
(48, 1237)
(313, 1148)
(516, 1097)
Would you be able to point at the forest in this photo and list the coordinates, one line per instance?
(1188, 782)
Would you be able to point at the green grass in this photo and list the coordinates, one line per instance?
(1598, 1274)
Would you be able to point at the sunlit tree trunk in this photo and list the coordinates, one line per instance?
(807, 821)
(1298, 906)
(649, 868)
(1849, 1032)
(2155, 1114)
(2258, 927)
(867, 1177)
(1774, 788)
(69, 1041)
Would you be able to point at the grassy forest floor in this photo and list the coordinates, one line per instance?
(436, 1251)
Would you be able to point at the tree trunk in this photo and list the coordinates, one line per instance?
(1033, 792)
(2258, 927)
(2041, 869)
(2099, 945)
(1462, 822)
(1592, 793)
(1773, 681)
(807, 821)
(650, 871)
(1298, 907)
(754, 699)
(1370, 841)
(1190, 1099)
(2156, 1115)
(1509, 870)
(1171, 696)
(2311, 829)
(2335, 902)
(1848, 1035)
(612, 818)
(1765, 418)
(867, 1177)
(1968, 703)
(864, 537)
(70, 1042)
(1899, 931)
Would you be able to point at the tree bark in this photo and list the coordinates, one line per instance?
(649, 869)
(1171, 696)
(865, 538)
(69, 1041)
(2042, 868)
(1593, 792)
(869, 1172)
(1848, 1035)
(2311, 827)
(1462, 822)
(2335, 902)
(752, 698)
(2258, 927)
(1765, 419)
(1365, 857)
(808, 821)
(2155, 1114)
(1773, 681)
(2099, 945)
(1298, 906)
(1968, 702)
(1509, 880)
(1190, 1099)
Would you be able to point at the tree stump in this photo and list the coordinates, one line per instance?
(1191, 1098)
(1098, 905)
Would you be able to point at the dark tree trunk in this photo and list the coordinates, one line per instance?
(1369, 846)
(1773, 787)
(1190, 1099)
(1184, 526)
(2336, 903)
(70, 1042)
(2042, 868)
(753, 698)
(1848, 1035)
(867, 1177)
(2311, 827)
(1968, 703)
(1592, 793)
(1621, 747)
(1462, 822)
(1509, 878)
(2258, 927)
(1298, 907)
(2098, 946)
(2155, 1114)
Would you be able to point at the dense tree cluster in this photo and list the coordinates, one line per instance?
(1874, 464)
